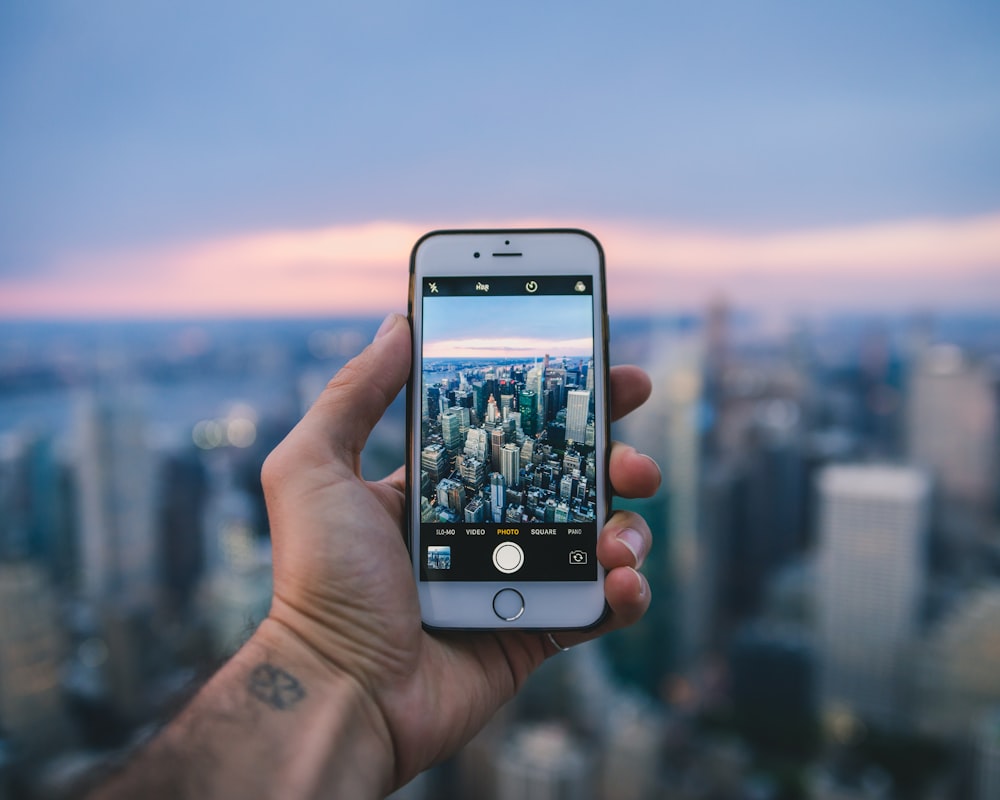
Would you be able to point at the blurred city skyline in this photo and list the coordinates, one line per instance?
(205, 211)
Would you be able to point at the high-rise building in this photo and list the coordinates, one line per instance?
(477, 444)
(115, 475)
(432, 402)
(956, 667)
(475, 511)
(544, 762)
(498, 495)
(872, 528)
(492, 412)
(496, 443)
(180, 518)
(577, 413)
(237, 581)
(451, 495)
(510, 464)
(434, 459)
(506, 400)
(683, 379)
(464, 415)
(451, 432)
(31, 651)
(951, 424)
(527, 404)
(987, 746)
(473, 472)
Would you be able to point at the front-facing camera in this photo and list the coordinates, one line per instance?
(475, 255)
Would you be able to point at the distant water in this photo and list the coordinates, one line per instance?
(179, 372)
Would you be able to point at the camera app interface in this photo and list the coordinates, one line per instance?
(508, 471)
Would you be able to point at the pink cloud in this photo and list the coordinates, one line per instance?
(362, 269)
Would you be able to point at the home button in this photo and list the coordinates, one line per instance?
(508, 604)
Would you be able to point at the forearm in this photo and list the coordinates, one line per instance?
(275, 721)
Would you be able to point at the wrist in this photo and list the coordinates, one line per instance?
(275, 721)
(330, 725)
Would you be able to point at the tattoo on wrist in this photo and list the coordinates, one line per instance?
(275, 687)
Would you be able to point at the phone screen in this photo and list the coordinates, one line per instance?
(507, 464)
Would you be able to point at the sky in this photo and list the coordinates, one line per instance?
(525, 327)
(174, 158)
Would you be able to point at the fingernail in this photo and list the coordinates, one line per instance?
(387, 325)
(632, 539)
(642, 582)
(653, 462)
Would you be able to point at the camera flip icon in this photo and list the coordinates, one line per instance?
(577, 557)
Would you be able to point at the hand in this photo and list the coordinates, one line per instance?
(343, 582)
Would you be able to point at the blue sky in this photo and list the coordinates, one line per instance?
(131, 125)
(528, 327)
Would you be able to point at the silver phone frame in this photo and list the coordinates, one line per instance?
(548, 605)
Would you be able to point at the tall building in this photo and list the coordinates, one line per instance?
(492, 412)
(527, 404)
(451, 432)
(451, 495)
(498, 495)
(473, 472)
(496, 443)
(464, 414)
(32, 649)
(872, 529)
(673, 433)
(510, 464)
(577, 413)
(544, 762)
(434, 459)
(956, 667)
(115, 474)
(951, 424)
(477, 444)
(475, 511)
(432, 402)
(988, 757)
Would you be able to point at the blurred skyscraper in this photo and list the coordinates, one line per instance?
(957, 667)
(32, 648)
(988, 757)
(115, 472)
(951, 425)
(544, 762)
(872, 534)
(237, 580)
(681, 387)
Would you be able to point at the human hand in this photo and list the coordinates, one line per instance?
(343, 581)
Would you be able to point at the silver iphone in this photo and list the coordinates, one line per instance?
(507, 420)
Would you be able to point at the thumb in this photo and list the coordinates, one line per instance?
(358, 395)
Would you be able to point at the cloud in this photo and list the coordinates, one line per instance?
(362, 269)
(512, 348)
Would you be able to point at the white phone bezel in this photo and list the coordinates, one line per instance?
(555, 605)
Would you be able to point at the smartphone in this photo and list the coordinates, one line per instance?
(507, 428)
